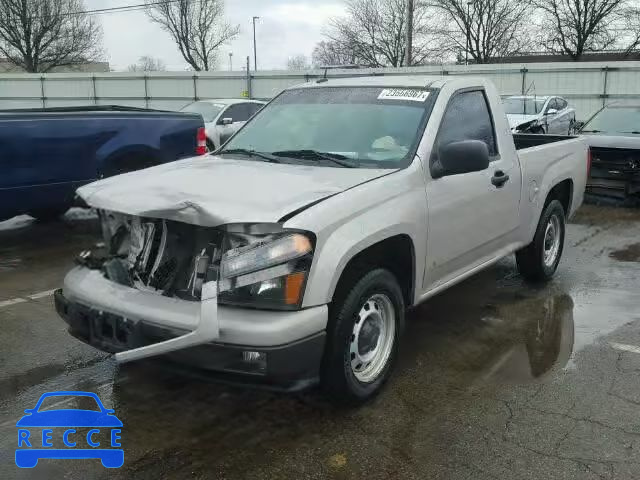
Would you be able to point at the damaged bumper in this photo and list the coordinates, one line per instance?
(270, 347)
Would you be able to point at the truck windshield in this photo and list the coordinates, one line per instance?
(615, 120)
(522, 106)
(369, 127)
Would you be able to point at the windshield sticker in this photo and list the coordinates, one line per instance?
(403, 94)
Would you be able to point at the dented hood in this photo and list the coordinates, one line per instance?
(212, 190)
(518, 119)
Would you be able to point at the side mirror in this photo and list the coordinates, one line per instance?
(552, 111)
(226, 121)
(460, 157)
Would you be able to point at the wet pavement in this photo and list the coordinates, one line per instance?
(496, 379)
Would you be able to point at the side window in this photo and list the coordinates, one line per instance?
(238, 112)
(467, 117)
(553, 103)
(562, 103)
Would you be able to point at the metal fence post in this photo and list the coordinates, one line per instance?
(524, 70)
(146, 92)
(249, 94)
(195, 87)
(42, 97)
(604, 85)
(95, 93)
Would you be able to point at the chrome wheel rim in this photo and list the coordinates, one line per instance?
(551, 245)
(372, 338)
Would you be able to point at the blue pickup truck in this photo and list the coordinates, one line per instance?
(46, 154)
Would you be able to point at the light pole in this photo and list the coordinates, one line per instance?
(466, 53)
(409, 45)
(230, 61)
(255, 52)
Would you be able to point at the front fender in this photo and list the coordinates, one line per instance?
(348, 223)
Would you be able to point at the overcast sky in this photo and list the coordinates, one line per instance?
(285, 28)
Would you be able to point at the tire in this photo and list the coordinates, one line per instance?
(378, 292)
(210, 146)
(49, 214)
(539, 260)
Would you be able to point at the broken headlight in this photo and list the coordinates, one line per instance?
(266, 270)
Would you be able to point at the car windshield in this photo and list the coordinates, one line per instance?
(615, 120)
(69, 402)
(366, 126)
(523, 106)
(209, 111)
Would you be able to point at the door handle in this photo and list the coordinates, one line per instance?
(499, 178)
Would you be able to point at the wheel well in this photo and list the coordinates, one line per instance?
(563, 192)
(396, 254)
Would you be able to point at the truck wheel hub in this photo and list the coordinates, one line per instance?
(372, 338)
(551, 241)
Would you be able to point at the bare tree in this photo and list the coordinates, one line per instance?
(147, 63)
(483, 29)
(578, 26)
(332, 53)
(198, 28)
(298, 62)
(39, 35)
(374, 31)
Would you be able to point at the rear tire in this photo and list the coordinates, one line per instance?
(49, 214)
(365, 322)
(539, 260)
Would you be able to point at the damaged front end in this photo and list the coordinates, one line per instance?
(251, 265)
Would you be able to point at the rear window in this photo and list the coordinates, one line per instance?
(209, 111)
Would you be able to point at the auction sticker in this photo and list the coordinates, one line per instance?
(413, 94)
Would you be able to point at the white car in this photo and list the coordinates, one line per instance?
(289, 256)
(223, 117)
(532, 114)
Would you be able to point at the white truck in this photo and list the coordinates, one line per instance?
(288, 257)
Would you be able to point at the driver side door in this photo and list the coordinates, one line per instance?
(472, 216)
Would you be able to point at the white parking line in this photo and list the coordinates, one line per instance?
(625, 348)
(12, 301)
(33, 296)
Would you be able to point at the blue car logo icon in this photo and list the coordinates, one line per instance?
(32, 446)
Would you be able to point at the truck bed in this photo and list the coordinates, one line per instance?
(528, 140)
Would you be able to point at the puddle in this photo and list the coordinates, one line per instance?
(628, 254)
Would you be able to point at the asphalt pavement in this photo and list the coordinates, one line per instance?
(497, 379)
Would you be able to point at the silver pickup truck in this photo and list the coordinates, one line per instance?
(288, 257)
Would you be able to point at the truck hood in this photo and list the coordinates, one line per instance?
(211, 190)
(608, 140)
(518, 119)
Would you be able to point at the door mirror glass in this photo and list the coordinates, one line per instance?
(226, 121)
(461, 157)
(552, 111)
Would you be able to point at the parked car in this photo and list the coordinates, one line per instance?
(223, 117)
(46, 154)
(613, 134)
(289, 257)
(532, 114)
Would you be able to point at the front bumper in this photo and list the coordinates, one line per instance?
(120, 319)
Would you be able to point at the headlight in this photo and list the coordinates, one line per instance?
(267, 271)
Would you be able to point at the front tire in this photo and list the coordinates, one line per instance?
(365, 323)
(539, 260)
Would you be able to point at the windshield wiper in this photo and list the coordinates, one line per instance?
(315, 155)
(634, 132)
(252, 153)
(590, 131)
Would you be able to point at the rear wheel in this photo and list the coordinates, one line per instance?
(362, 342)
(539, 260)
(49, 214)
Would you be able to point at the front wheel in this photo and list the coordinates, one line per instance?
(362, 342)
(539, 260)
